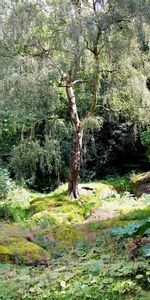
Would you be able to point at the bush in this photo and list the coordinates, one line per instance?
(16, 205)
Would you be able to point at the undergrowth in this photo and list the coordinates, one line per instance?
(100, 269)
(87, 260)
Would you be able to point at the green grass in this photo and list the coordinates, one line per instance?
(137, 214)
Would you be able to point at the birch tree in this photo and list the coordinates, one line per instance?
(78, 42)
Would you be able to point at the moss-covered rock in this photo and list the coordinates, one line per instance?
(141, 184)
(43, 218)
(66, 235)
(58, 237)
(18, 250)
(15, 248)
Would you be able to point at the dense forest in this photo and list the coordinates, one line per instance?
(75, 149)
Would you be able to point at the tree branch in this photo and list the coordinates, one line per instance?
(79, 81)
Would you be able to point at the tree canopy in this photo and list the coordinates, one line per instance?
(89, 56)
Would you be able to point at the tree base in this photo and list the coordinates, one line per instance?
(74, 193)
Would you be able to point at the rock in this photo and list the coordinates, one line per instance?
(20, 251)
(141, 184)
(62, 236)
(102, 190)
(16, 248)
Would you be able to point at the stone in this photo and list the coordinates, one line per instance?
(141, 184)
(20, 251)
(15, 248)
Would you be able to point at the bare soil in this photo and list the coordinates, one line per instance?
(101, 214)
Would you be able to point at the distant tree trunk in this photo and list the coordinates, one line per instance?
(77, 143)
(75, 164)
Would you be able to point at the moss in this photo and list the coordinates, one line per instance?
(58, 204)
(64, 235)
(19, 250)
(8, 230)
(40, 204)
(14, 248)
(62, 209)
(43, 218)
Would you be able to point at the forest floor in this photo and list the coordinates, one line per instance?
(97, 247)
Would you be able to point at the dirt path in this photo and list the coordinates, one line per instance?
(101, 214)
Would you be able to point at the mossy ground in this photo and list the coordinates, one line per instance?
(97, 266)
(62, 209)
(86, 261)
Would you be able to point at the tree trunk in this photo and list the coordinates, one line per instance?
(75, 164)
(77, 143)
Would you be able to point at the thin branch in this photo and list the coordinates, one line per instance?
(147, 107)
(79, 81)
(110, 109)
(49, 49)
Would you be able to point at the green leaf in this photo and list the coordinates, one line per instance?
(132, 229)
(145, 250)
(63, 284)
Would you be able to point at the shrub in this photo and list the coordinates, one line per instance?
(16, 205)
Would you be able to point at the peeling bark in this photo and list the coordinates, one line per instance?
(77, 143)
(75, 164)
